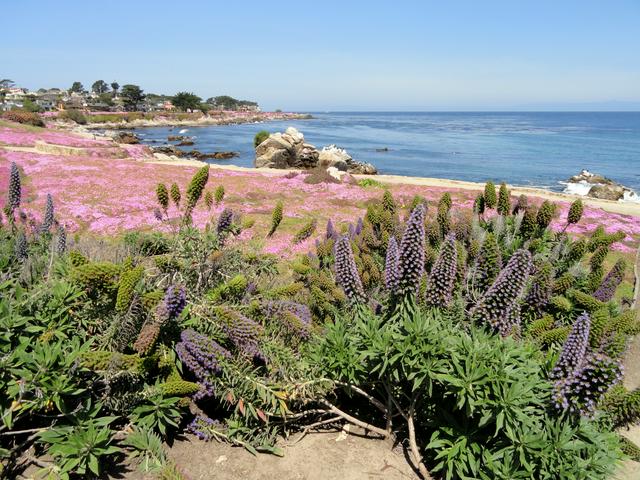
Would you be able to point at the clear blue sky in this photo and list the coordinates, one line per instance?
(338, 55)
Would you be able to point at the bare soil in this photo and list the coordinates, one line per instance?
(326, 455)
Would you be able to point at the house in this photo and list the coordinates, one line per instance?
(75, 101)
(14, 97)
(48, 100)
(249, 108)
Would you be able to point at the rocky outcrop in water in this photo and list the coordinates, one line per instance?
(286, 150)
(289, 150)
(129, 138)
(174, 151)
(597, 186)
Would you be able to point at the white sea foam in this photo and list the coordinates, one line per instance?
(577, 188)
(630, 196)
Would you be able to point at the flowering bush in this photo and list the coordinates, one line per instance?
(22, 116)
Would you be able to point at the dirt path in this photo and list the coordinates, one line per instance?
(329, 455)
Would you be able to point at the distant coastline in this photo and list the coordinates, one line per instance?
(223, 118)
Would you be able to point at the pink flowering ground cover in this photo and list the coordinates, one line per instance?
(112, 195)
(23, 137)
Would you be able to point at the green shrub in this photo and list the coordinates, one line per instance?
(74, 115)
(448, 382)
(260, 137)
(370, 183)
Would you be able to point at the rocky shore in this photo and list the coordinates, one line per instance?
(289, 150)
(598, 186)
(226, 118)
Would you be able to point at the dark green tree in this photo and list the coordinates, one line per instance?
(115, 86)
(76, 88)
(99, 86)
(132, 95)
(106, 98)
(186, 101)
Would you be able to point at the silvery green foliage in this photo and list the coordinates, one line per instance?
(411, 257)
(517, 221)
(48, 219)
(391, 276)
(15, 189)
(443, 274)
(346, 271)
(478, 233)
(494, 308)
(498, 226)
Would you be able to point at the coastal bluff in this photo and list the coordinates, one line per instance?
(289, 150)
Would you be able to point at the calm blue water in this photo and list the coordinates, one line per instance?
(532, 149)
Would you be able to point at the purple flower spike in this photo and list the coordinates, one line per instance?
(346, 271)
(331, 231)
(202, 356)
(497, 303)
(607, 288)
(174, 301)
(443, 274)
(224, 222)
(574, 348)
(296, 317)
(243, 332)
(15, 189)
(411, 257)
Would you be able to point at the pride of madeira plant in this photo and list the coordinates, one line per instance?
(489, 343)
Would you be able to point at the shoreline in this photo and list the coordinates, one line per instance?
(203, 121)
(624, 208)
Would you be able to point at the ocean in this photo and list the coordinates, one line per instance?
(537, 149)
